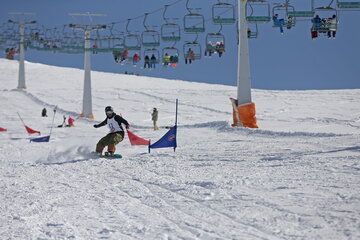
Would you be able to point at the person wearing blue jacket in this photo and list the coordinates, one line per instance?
(279, 22)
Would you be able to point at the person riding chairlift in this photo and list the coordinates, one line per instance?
(167, 59)
(332, 25)
(174, 60)
(315, 27)
(220, 48)
(279, 22)
(190, 56)
(136, 58)
(147, 62)
(153, 61)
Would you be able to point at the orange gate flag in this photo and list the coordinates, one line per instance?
(135, 140)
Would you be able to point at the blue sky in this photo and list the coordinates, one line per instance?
(289, 61)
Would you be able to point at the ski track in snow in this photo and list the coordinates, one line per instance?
(297, 177)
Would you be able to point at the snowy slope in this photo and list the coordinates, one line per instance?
(297, 177)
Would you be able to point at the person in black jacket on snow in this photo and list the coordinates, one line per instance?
(116, 134)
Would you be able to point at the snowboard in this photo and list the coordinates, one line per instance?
(116, 155)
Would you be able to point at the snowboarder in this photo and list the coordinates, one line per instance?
(154, 118)
(116, 134)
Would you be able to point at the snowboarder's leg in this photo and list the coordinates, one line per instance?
(113, 140)
(102, 143)
(99, 148)
(155, 125)
(111, 148)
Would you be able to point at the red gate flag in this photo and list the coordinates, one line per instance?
(31, 131)
(2, 129)
(135, 140)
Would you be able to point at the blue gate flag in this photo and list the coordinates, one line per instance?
(41, 139)
(168, 140)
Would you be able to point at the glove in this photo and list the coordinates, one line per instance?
(95, 126)
(127, 126)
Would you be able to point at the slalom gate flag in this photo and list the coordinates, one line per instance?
(2, 129)
(41, 139)
(168, 140)
(31, 131)
(136, 140)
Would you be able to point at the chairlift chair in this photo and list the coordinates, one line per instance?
(253, 32)
(132, 42)
(195, 47)
(150, 38)
(223, 13)
(252, 9)
(348, 4)
(170, 32)
(288, 21)
(171, 51)
(152, 51)
(194, 23)
(117, 52)
(211, 41)
(325, 27)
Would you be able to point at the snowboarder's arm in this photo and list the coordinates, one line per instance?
(121, 120)
(103, 123)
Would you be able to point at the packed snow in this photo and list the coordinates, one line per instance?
(296, 177)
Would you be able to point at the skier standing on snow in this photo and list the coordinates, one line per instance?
(43, 112)
(116, 134)
(154, 118)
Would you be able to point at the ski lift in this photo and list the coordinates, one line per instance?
(302, 14)
(129, 55)
(74, 45)
(348, 4)
(223, 13)
(131, 40)
(193, 22)
(284, 22)
(325, 13)
(149, 38)
(118, 52)
(116, 43)
(253, 32)
(262, 9)
(152, 51)
(170, 32)
(172, 52)
(195, 47)
(215, 42)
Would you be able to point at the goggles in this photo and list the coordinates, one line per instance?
(109, 112)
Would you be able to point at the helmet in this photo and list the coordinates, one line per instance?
(109, 109)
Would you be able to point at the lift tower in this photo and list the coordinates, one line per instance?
(21, 82)
(87, 29)
(243, 107)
